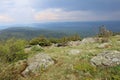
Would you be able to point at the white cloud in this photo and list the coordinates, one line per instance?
(6, 18)
(62, 15)
(21, 11)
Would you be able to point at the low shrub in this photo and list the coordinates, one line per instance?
(42, 41)
(12, 50)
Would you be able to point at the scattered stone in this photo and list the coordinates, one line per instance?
(88, 40)
(74, 43)
(74, 52)
(36, 63)
(107, 58)
(105, 45)
(60, 45)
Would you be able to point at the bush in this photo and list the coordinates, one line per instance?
(103, 32)
(70, 38)
(36, 48)
(54, 40)
(42, 41)
(12, 50)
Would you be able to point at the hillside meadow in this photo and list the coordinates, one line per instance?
(70, 62)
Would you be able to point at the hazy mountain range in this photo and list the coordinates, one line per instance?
(55, 29)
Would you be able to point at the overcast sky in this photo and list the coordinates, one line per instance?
(32, 11)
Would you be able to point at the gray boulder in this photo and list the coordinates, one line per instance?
(107, 58)
(36, 63)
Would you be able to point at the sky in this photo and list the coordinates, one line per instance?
(37, 11)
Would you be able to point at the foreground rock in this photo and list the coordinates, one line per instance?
(37, 63)
(88, 40)
(74, 52)
(107, 58)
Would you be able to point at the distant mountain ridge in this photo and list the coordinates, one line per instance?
(84, 29)
(28, 33)
(57, 29)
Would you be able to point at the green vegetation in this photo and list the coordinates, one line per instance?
(43, 41)
(103, 32)
(12, 50)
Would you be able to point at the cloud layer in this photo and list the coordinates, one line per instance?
(62, 15)
(5, 18)
(30, 11)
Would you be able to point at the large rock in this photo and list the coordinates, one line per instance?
(107, 58)
(74, 43)
(105, 45)
(36, 63)
(88, 40)
(74, 52)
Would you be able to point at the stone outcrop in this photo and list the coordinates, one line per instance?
(107, 58)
